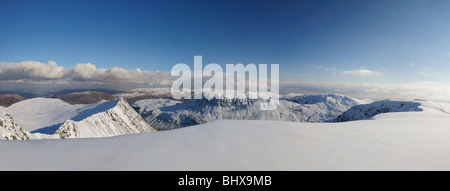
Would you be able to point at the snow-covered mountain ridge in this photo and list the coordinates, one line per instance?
(48, 118)
(165, 114)
(9, 129)
(52, 118)
(367, 111)
(120, 119)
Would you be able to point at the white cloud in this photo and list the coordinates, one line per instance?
(30, 70)
(325, 68)
(89, 72)
(13, 75)
(363, 72)
(448, 54)
(418, 90)
(83, 71)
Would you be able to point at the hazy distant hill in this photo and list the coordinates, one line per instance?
(69, 91)
(9, 99)
(145, 93)
(84, 97)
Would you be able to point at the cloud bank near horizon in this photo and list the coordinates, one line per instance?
(32, 74)
(418, 90)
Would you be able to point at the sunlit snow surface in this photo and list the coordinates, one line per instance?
(390, 141)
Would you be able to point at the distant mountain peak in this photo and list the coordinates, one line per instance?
(86, 97)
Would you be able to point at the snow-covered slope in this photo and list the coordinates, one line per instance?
(118, 119)
(440, 106)
(43, 115)
(366, 111)
(9, 129)
(327, 99)
(167, 114)
(48, 118)
(392, 141)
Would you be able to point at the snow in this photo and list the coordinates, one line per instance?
(367, 111)
(43, 114)
(50, 118)
(400, 135)
(392, 141)
(9, 129)
(444, 107)
(167, 114)
(325, 98)
(117, 118)
(291, 95)
(146, 105)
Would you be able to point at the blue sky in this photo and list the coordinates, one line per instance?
(359, 41)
